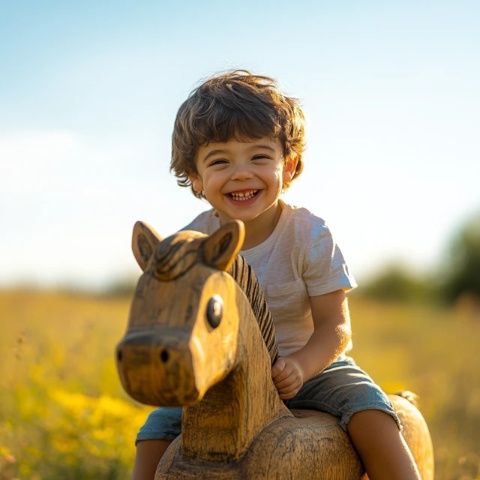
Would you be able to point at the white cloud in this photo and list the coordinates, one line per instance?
(70, 202)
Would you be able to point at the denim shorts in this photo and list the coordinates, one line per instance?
(342, 389)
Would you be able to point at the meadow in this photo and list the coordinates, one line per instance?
(63, 414)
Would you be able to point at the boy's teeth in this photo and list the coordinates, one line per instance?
(243, 195)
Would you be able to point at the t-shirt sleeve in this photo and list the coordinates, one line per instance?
(206, 223)
(325, 269)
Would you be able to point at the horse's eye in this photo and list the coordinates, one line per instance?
(215, 311)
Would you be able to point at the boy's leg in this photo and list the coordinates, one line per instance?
(149, 453)
(365, 413)
(381, 446)
(163, 425)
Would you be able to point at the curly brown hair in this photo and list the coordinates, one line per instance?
(235, 104)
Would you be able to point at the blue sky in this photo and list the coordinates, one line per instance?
(89, 91)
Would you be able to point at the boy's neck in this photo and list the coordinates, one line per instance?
(261, 227)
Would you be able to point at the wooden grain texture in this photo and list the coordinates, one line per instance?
(234, 424)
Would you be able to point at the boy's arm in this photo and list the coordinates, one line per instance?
(332, 332)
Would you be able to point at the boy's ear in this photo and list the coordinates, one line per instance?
(144, 241)
(197, 183)
(289, 170)
(220, 249)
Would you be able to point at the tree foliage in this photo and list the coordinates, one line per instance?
(462, 272)
(397, 282)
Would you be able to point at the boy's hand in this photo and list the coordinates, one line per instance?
(287, 376)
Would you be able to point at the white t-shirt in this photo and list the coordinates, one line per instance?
(298, 260)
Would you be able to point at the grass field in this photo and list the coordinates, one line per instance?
(63, 414)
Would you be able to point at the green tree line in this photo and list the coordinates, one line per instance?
(458, 275)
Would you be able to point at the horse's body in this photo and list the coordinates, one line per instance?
(193, 340)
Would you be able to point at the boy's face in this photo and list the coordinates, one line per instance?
(242, 179)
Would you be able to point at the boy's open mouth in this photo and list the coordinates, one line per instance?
(244, 195)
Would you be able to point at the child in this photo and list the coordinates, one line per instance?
(238, 143)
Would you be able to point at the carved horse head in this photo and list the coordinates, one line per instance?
(182, 331)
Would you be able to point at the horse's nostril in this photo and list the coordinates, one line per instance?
(164, 356)
(119, 355)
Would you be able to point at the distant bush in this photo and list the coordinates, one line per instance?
(462, 267)
(396, 282)
(120, 289)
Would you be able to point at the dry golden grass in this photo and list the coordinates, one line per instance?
(63, 412)
(431, 351)
(64, 415)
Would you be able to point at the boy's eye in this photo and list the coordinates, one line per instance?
(217, 162)
(261, 157)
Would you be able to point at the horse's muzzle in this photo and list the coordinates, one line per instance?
(155, 366)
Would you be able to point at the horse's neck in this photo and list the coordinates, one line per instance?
(232, 412)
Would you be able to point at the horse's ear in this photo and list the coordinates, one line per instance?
(144, 241)
(221, 247)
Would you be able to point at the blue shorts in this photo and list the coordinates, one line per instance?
(342, 389)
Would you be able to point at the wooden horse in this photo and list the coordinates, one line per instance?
(193, 339)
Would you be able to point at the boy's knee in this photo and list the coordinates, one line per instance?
(371, 420)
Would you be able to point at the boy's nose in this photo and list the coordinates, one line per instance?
(241, 172)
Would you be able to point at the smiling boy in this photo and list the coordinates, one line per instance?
(238, 143)
(244, 180)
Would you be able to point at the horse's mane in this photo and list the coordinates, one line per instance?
(245, 277)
